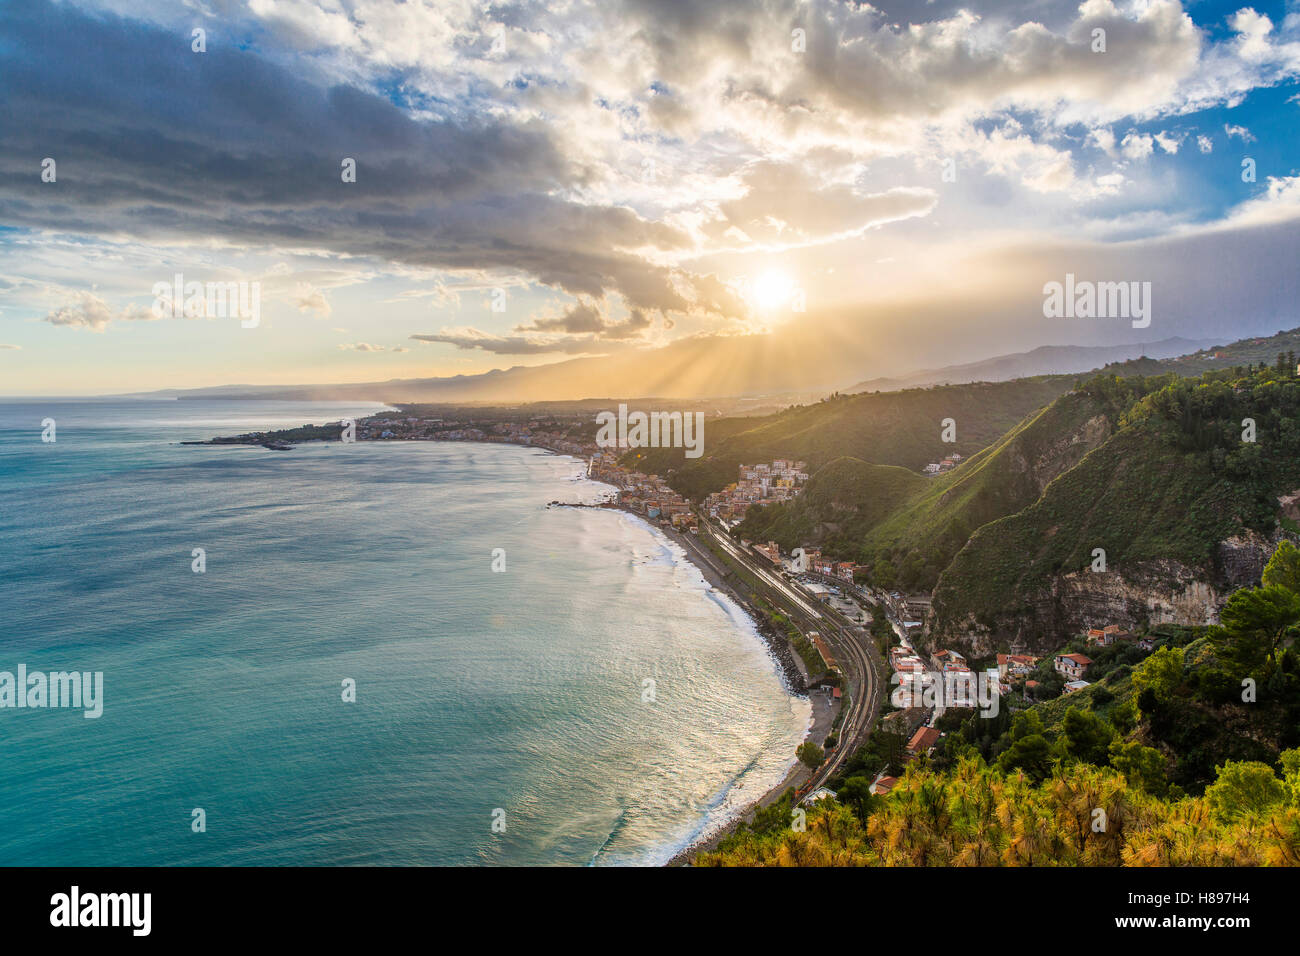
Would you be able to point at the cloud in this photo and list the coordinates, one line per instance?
(13, 347)
(1240, 132)
(361, 347)
(314, 301)
(468, 339)
(785, 205)
(1137, 146)
(1103, 139)
(92, 312)
(1170, 142)
(589, 322)
(635, 155)
(465, 192)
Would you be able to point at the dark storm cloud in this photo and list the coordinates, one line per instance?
(155, 141)
(467, 339)
(584, 328)
(589, 319)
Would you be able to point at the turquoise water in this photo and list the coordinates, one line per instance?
(476, 691)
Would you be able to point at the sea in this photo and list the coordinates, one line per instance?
(378, 653)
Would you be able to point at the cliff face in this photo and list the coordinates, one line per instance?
(1149, 593)
(1066, 452)
(1169, 496)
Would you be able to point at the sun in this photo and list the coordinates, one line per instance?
(771, 290)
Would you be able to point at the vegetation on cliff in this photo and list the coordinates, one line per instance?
(1188, 755)
(1081, 815)
(1192, 464)
(883, 428)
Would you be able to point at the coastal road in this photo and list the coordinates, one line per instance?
(854, 650)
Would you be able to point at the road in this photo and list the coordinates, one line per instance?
(853, 648)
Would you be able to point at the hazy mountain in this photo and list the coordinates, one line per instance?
(700, 367)
(797, 366)
(1045, 360)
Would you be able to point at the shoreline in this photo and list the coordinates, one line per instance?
(790, 670)
(792, 678)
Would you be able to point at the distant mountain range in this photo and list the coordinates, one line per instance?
(794, 367)
(1045, 360)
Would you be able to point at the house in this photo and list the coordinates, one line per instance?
(1116, 633)
(905, 722)
(906, 663)
(824, 650)
(1015, 665)
(1031, 688)
(883, 784)
(837, 694)
(1072, 686)
(923, 741)
(1108, 635)
(820, 591)
(947, 660)
(917, 605)
(1071, 666)
(1147, 644)
(821, 793)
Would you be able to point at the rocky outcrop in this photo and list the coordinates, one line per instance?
(1067, 451)
(1155, 592)
(1240, 560)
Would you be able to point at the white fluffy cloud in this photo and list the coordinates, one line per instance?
(89, 311)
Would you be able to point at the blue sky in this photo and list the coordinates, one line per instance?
(618, 176)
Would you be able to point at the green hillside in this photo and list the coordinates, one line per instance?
(909, 532)
(882, 428)
(1243, 352)
(840, 503)
(1173, 481)
(903, 427)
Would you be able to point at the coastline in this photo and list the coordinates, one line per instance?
(791, 672)
(792, 675)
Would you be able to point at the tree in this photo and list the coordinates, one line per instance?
(1290, 760)
(1283, 569)
(1255, 623)
(1027, 723)
(1160, 674)
(1087, 737)
(855, 793)
(810, 754)
(1143, 767)
(1032, 754)
(1243, 788)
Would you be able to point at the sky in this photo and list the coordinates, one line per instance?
(536, 182)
